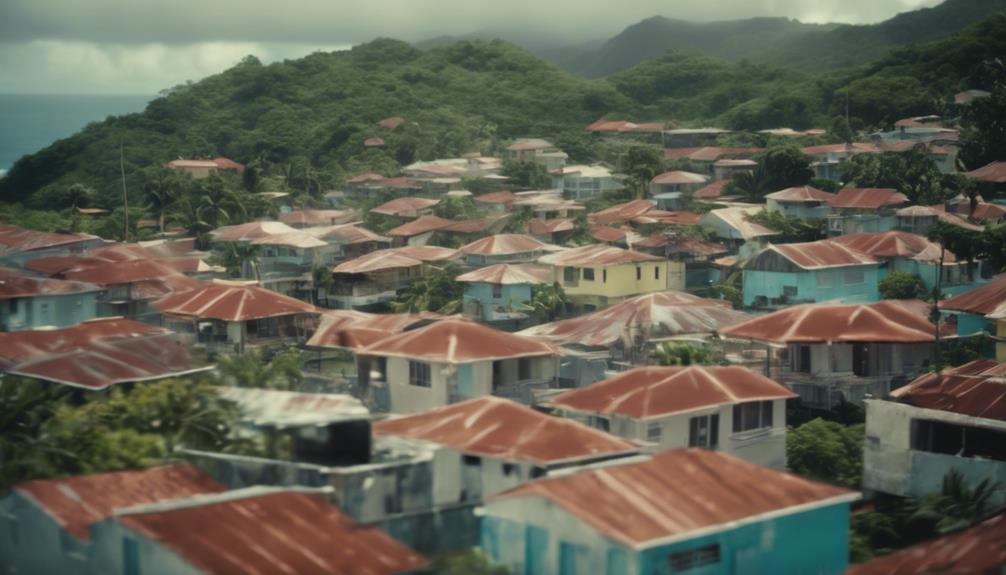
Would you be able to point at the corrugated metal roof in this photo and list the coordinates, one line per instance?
(509, 274)
(821, 254)
(272, 407)
(523, 144)
(853, 148)
(894, 321)
(318, 217)
(985, 211)
(712, 190)
(421, 225)
(980, 549)
(503, 244)
(250, 231)
(541, 227)
(77, 502)
(503, 429)
(228, 302)
(675, 494)
(607, 233)
(739, 219)
(21, 346)
(867, 198)
(347, 234)
(120, 272)
(597, 255)
(647, 392)
(661, 314)
(977, 389)
(249, 531)
(679, 177)
(17, 284)
(504, 197)
(15, 239)
(351, 329)
(404, 257)
(391, 123)
(801, 194)
(622, 212)
(984, 300)
(895, 244)
(475, 225)
(941, 214)
(457, 341)
(404, 205)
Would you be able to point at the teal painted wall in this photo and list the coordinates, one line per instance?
(815, 285)
(970, 324)
(55, 310)
(515, 295)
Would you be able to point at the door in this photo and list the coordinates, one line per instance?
(861, 359)
(535, 550)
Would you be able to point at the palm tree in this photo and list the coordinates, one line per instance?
(161, 190)
(25, 406)
(252, 370)
(218, 205)
(437, 291)
(321, 282)
(520, 219)
(753, 184)
(957, 505)
(548, 301)
(239, 257)
(682, 354)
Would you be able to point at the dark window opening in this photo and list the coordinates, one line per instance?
(419, 374)
(959, 440)
(639, 274)
(752, 415)
(685, 560)
(704, 431)
(588, 274)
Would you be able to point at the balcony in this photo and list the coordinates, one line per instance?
(525, 390)
(827, 390)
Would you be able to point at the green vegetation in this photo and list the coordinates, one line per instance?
(548, 301)
(901, 285)
(791, 228)
(683, 354)
(438, 291)
(827, 451)
(912, 173)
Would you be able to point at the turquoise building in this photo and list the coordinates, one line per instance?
(599, 521)
(28, 302)
(501, 295)
(783, 275)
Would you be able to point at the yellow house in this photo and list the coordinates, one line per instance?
(597, 275)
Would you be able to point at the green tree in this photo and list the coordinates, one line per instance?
(467, 562)
(912, 173)
(519, 220)
(237, 257)
(527, 175)
(785, 166)
(161, 188)
(548, 301)
(25, 406)
(683, 354)
(958, 505)
(752, 185)
(253, 370)
(983, 121)
(218, 205)
(641, 164)
(901, 285)
(321, 283)
(437, 291)
(456, 209)
(827, 451)
(791, 228)
(79, 196)
(965, 244)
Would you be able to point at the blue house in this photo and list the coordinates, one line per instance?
(657, 516)
(787, 274)
(501, 295)
(972, 307)
(804, 202)
(28, 302)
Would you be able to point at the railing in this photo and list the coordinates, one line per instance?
(524, 390)
(826, 390)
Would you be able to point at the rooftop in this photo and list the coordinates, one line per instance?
(977, 389)
(895, 244)
(271, 407)
(17, 284)
(994, 172)
(392, 258)
(597, 255)
(351, 329)
(623, 212)
(988, 299)
(317, 217)
(679, 177)
(739, 219)
(867, 198)
(503, 244)
(818, 255)
(21, 346)
(228, 302)
(250, 231)
(420, 225)
(14, 239)
(503, 429)
(509, 274)
(404, 205)
(455, 341)
(801, 194)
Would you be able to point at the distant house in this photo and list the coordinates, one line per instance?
(787, 274)
(503, 248)
(827, 158)
(234, 316)
(728, 409)
(553, 231)
(685, 137)
(581, 182)
(967, 96)
(200, 169)
(349, 241)
(30, 302)
(622, 213)
(369, 185)
(804, 202)
(734, 226)
(48, 523)
(597, 275)
(694, 258)
(250, 231)
(675, 182)
(130, 287)
(918, 219)
(314, 218)
(285, 261)
(706, 157)
(835, 353)
(859, 210)
(982, 309)
(642, 517)
(536, 150)
(374, 278)
(419, 231)
(726, 168)
(19, 245)
(406, 208)
(993, 172)
(501, 295)
(712, 192)
(495, 201)
(953, 420)
(451, 361)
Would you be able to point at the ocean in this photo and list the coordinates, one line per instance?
(29, 123)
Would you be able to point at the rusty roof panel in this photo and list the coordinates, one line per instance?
(421, 225)
(456, 341)
(15, 239)
(351, 329)
(509, 274)
(503, 429)
(679, 177)
(404, 205)
(895, 244)
(993, 172)
(597, 255)
(822, 254)
(977, 389)
(250, 231)
(77, 502)
(660, 391)
(318, 217)
(391, 258)
(21, 346)
(983, 300)
(229, 302)
(503, 244)
(801, 194)
(867, 198)
(676, 493)
(17, 284)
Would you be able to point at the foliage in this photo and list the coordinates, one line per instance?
(901, 285)
(526, 175)
(964, 244)
(785, 167)
(641, 164)
(254, 369)
(683, 354)
(456, 209)
(791, 228)
(548, 301)
(827, 451)
(958, 505)
(467, 562)
(437, 291)
(236, 257)
(912, 173)
(983, 122)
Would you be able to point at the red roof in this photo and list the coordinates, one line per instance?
(647, 392)
(713, 190)
(940, 213)
(350, 234)
(317, 217)
(980, 549)
(895, 244)
(121, 273)
(503, 429)
(228, 164)
(391, 123)
(275, 532)
(24, 345)
(355, 329)
(504, 197)
(867, 198)
(801, 194)
(993, 172)
(509, 274)
(473, 226)
(820, 254)
(541, 227)
(17, 284)
(677, 493)
(404, 205)
(503, 244)
(620, 126)
(977, 389)
(678, 177)
(78, 502)
(889, 321)
(853, 148)
(623, 212)
(457, 341)
(709, 153)
(984, 300)
(985, 212)
(228, 302)
(366, 178)
(17, 239)
(403, 257)
(597, 255)
(420, 225)
(659, 314)
(373, 142)
(607, 233)
(250, 231)
(679, 153)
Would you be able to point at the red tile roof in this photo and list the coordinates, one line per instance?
(992, 172)
(820, 254)
(355, 329)
(457, 341)
(895, 244)
(80, 501)
(15, 239)
(983, 300)
(977, 389)
(889, 321)
(504, 197)
(509, 274)
(503, 429)
(801, 194)
(541, 227)
(648, 392)
(597, 255)
(317, 217)
(421, 225)
(713, 190)
(391, 123)
(229, 302)
(867, 198)
(622, 212)
(261, 530)
(980, 549)
(21, 346)
(679, 177)
(675, 494)
(503, 244)
(660, 314)
(403, 257)
(250, 231)
(404, 205)
(18, 284)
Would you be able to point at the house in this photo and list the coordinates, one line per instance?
(406, 208)
(466, 231)
(253, 530)
(686, 509)
(859, 210)
(29, 302)
(842, 353)
(233, 316)
(827, 158)
(17, 347)
(349, 241)
(967, 96)
(685, 137)
(501, 295)
(452, 360)
(47, 522)
(825, 270)
(419, 231)
(495, 201)
(712, 192)
(369, 185)
(503, 248)
(993, 172)
(677, 181)
(546, 204)
(727, 168)
(286, 261)
(918, 219)
(129, 287)
(914, 254)
(554, 231)
(953, 420)
(622, 213)
(696, 257)
(19, 245)
(803, 202)
(536, 150)
(316, 218)
(374, 142)
(649, 130)
(247, 232)
(374, 278)
(734, 225)
(980, 310)
(582, 182)
(625, 333)
(975, 550)
(706, 157)
(728, 409)
(596, 275)
(391, 123)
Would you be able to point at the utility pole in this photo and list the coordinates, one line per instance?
(125, 196)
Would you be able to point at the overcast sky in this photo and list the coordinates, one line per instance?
(143, 46)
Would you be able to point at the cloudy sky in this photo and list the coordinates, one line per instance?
(142, 46)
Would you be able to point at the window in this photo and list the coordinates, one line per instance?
(789, 291)
(130, 556)
(599, 422)
(604, 276)
(524, 368)
(12, 306)
(497, 291)
(685, 560)
(854, 277)
(654, 431)
(704, 431)
(752, 415)
(959, 440)
(569, 275)
(510, 468)
(588, 274)
(656, 273)
(639, 273)
(419, 374)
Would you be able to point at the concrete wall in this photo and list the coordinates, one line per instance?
(107, 553)
(44, 311)
(814, 286)
(620, 281)
(799, 209)
(31, 541)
